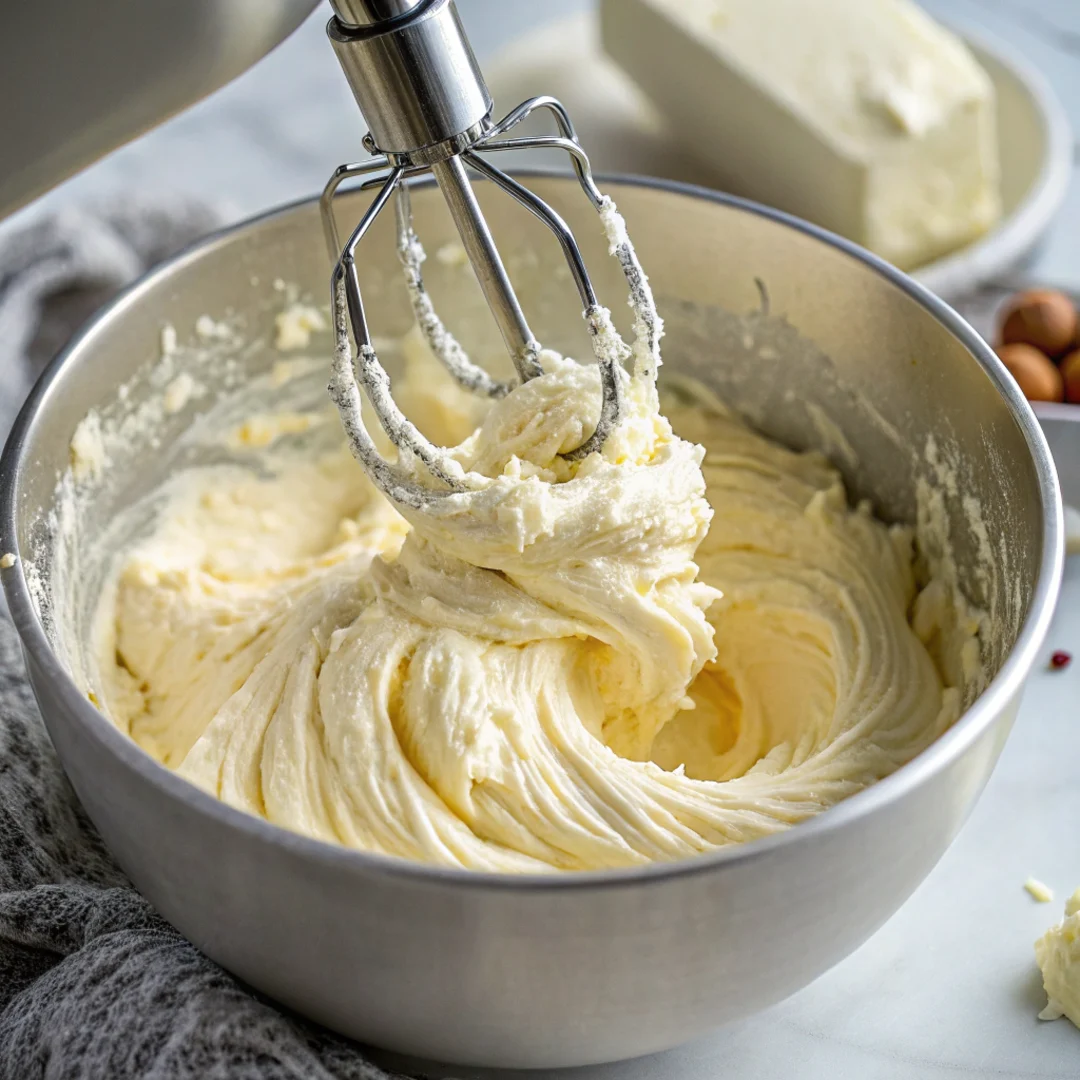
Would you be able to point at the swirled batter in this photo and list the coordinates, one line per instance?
(685, 641)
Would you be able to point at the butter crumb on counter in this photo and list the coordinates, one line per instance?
(7, 561)
(1058, 955)
(295, 325)
(1043, 893)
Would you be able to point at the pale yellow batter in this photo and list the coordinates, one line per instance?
(642, 657)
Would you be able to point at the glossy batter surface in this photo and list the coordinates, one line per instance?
(686, 641)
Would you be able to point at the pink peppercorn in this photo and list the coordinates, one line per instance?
(1060, 660)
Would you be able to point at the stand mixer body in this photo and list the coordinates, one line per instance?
(81, 80)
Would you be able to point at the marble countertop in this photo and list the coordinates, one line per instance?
(948, 987)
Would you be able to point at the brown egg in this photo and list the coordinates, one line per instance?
(1070, 373)
(1041, 317)
(1033, 371)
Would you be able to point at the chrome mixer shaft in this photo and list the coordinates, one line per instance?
(416, 80)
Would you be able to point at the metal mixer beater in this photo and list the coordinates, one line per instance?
(416, 80)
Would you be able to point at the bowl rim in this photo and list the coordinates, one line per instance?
(1006, 683)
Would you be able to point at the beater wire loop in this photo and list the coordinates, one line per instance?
(360, 369)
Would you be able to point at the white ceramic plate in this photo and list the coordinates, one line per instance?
(623, 133)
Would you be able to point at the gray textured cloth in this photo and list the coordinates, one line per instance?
(93, 984)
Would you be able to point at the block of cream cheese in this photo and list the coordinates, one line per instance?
(864, 116)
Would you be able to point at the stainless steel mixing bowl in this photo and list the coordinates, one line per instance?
(803, 333)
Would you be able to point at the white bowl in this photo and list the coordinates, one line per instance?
(623, 133)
